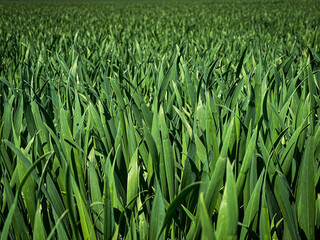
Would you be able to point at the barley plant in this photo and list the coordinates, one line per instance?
(160, 120)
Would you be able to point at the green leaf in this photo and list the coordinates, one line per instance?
(227, 223)
(201, 150)
(39, 230)
(207, 228)
(287, 154)
(177, 202)
(250, 219)
(184, 121)
(85, 219)
(168, 156)
(157, 214)
(133, 180)
(282, 195)
(246, 163)
(306, 191)
(264, 222)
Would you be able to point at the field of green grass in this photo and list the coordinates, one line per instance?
(160, 120)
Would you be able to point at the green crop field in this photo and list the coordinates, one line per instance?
(159, 119)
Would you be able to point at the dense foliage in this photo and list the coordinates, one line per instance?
(157, 120)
